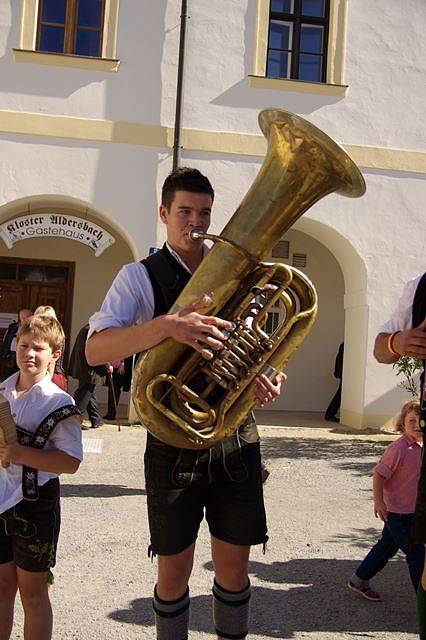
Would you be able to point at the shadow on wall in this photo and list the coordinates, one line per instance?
(126, 181)
(137, 83)
(127, 175)
(39, 80)
(242, 96)
(393, 400)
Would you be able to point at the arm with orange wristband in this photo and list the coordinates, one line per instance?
(389, 347)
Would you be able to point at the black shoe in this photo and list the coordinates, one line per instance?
(97, 425)
(109, 416)
(265, 473)
(331, 419)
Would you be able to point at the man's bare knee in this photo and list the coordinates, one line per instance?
(174, 573)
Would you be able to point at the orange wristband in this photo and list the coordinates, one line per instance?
(389, 343)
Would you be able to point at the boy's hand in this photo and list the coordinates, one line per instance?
(380, 511)
(200, 332)
(267, 391)
(11, 452)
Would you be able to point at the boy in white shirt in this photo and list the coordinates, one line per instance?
(49, 443)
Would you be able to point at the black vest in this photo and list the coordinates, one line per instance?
(419, 304)
(168, 279)
(419, 314)
(418, 530)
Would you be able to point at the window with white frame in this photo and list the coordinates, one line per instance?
(298, 40)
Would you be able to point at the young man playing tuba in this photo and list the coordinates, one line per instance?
(225, 480)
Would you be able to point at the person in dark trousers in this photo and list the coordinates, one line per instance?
(334, 406)
(224, 482)
(85, 396)
(121, 380)
(8, 346)
(404, 334)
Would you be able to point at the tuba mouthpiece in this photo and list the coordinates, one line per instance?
(196, 234)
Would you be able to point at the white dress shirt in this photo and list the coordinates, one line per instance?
(28, 410)
(402, 318)
(130, 299)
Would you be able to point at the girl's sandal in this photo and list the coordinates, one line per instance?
(366, 592)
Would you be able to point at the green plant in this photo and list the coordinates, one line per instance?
(410, 368)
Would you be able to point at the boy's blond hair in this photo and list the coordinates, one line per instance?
(46, 310)
(43, 328)
(407, 407)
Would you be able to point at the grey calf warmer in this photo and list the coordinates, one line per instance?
(171, 617)
(231, 611)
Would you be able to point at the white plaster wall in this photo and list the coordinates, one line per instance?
(133, 94)
(120, 180)
(378, 241)
(384, 226)
(381, 69)
(123, 181)
(385, 55)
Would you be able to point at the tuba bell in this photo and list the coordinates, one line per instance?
(192, 403)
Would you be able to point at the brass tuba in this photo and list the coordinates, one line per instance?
(192, 403)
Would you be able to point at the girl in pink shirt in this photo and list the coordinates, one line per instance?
(395, 489)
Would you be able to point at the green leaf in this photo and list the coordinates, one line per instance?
(409, 368)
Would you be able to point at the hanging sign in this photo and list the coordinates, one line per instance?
(56, 225)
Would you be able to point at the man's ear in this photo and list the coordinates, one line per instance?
(164, 214)
(56, 355)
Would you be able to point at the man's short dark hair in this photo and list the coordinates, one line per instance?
(184, 179)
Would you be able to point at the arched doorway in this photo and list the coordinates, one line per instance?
(58, 270)
(310, 381)
(339, 275)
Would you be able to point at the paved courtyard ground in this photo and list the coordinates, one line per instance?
(318, 499)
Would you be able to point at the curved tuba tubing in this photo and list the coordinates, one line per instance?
(192, 403)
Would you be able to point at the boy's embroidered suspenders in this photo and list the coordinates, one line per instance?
(37, 440)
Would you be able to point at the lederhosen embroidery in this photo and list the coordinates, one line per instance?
(37, 440)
